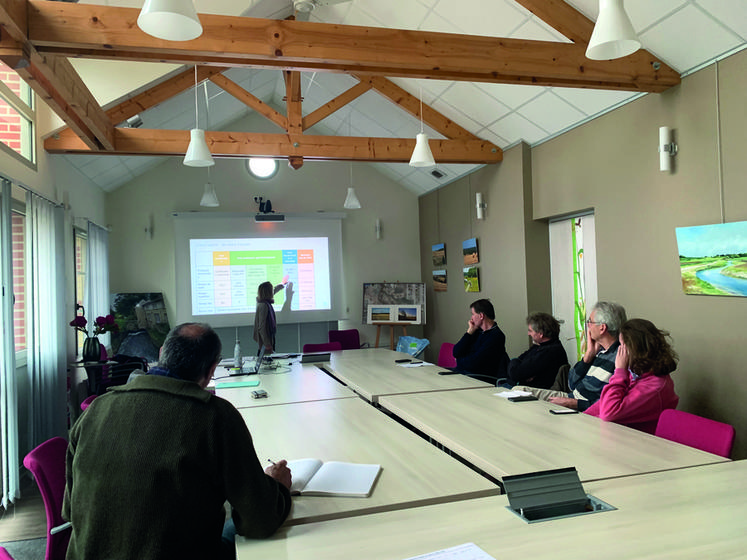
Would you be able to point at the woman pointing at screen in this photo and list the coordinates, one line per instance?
(265, 324)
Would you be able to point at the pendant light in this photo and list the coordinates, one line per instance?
(351, 201)
(171, 20)
(613, 35)
(198, 153)
(422, 155)
(209, 198)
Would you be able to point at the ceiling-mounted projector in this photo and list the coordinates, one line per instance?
(269, 217)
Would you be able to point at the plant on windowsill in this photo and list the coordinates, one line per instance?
(91, 347)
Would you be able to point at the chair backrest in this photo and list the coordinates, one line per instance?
(349, 339)
(446, 355)
(412, 345)
(87, 402)
(4, 554)
(322, 347)
(693, 430)
(47, 463)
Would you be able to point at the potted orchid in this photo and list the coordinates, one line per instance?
(91, 346)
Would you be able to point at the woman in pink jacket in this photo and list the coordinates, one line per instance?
(641, 387)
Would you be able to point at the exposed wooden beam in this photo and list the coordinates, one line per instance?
(563, 17)
(411, 104)
(138, 141)
(293, 101)
(250, 100)
(109, 32)
(53, 78)
(160, 93)
(331, 106)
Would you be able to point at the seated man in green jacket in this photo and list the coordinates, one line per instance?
(151, 464)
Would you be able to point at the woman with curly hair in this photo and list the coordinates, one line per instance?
(641, 387)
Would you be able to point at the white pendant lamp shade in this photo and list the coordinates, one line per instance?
(422, 155)
(351, 201)
(198, 154)
(613, 35)
(209, 198)
(171, 20)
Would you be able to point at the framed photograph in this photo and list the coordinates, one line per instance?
(143, 324)
(408, 314)
(469, 250)
(380, 314)
(471, 279)
(438, 253)
(713, 259)
(439, 281)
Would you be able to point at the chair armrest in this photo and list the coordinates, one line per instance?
(60, 528)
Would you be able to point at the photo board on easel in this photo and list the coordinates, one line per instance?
(403, 299)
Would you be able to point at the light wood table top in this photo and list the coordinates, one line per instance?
(414, 472)
(289, 383)
(685, 514)
(504, 438)
(373, 373)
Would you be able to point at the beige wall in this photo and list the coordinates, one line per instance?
(140, 264)
(514, 258)
(611, 165)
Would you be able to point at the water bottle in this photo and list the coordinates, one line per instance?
(237, 352)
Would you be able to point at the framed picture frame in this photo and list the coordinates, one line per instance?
(380, 314)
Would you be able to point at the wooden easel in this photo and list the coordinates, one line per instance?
(391, 332)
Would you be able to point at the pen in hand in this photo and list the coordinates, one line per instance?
(271, 461)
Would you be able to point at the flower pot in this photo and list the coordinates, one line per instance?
(91, 349)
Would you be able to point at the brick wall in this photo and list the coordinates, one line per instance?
(10, 120)
(19, 281)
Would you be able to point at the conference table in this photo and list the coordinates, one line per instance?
(414, 472)
(290, 382)
(690, 513)
(374, 373)
(506, 438)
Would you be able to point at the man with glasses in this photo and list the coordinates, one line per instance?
(587, 378)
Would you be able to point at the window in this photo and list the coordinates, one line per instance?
(262, 168)
(81, 267)
(17, 119)
(18, 224)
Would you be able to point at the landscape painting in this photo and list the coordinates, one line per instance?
(143, 324)
(439, 281)
(438, 252)
(713, 259)
(408, 314)
(469, 250)
(471, 279)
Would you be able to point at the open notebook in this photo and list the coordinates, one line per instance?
(312, 477)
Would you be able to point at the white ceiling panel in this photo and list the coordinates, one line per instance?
(592, 101)
(490, 18)
(514, 128)
(689, 38)
(731, 13)
(474, 103)
(395, 13)
(551, 113)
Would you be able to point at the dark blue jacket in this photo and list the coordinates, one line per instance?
(482, 353)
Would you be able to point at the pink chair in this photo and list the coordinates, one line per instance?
(349, 339)
(446, 356)
(47, 463)
(87, 402)
(321, 347)
(4, 554)
(693, 430)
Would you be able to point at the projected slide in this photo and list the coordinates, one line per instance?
(225, 273)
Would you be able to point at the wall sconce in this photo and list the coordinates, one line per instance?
(377, 228)
(480, 205)
(667, 148)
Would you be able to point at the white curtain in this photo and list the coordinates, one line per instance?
(46, 325)
(97, 279)
(9, 467)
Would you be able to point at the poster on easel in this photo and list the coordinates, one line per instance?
(408, 295)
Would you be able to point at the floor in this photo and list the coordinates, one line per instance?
(25, 519)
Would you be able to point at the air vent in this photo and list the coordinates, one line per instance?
(438, 174)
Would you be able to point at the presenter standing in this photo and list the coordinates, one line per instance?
(265, 324)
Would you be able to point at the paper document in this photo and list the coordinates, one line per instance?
(467, 551)
(415, 364)
(509, 394)
(312, 477)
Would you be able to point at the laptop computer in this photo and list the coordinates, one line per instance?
(254, 368)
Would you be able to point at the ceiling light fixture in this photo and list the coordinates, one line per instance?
(422, 155)
(198, 154)
(351, 201)
(171, 20)
(613, 35)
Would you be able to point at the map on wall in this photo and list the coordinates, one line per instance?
(394, 294)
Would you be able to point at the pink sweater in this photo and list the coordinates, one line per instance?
(636, 403)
